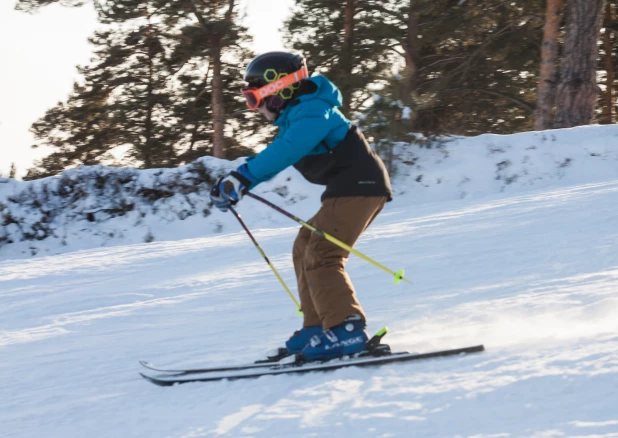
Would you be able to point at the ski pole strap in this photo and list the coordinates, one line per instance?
(397, 276)
(272, 267)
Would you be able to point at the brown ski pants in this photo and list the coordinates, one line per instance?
(327, 296)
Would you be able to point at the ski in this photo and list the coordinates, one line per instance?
(264, 363)
(306, 367)
(279, 360)
(374, 346)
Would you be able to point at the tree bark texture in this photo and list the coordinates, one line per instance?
(346, 56)
(577, 92)
(218, 108)
(148, 125)
(609, 67)
(546, 88)
(412, 53)
(217, 36)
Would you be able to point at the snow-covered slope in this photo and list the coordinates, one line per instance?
(101, 206)
(529, 270)
(533, 277)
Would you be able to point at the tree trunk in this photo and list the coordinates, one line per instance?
(609, 67)
(218, 108)
(577, 92)
(199, 16)
(346, 60)
(412, 54)
(546, 88)
(217, 35)
(147, 150)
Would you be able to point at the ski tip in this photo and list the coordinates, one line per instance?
(156, 381)
(474, 349)
(147, 377)
(147, 364)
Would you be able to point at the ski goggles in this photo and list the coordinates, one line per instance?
(255, 96)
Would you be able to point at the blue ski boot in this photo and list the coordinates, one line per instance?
(348, 337)
(301, 338)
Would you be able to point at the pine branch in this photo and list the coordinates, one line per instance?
(442, 61)
(513, 99)
(375, 7)
(199, 16)
(466, 65)
(230, 10)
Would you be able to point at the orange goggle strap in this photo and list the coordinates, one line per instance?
(255, 96)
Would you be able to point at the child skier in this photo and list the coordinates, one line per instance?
(315, 138)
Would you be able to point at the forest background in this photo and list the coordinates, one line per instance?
(162, 87)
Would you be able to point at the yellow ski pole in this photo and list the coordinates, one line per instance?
(259, 248)
(398, 276)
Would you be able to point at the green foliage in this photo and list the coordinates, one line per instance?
(192, 102)
(404, 66)
(122, 102)
(479, 66)
(316, 29)
(475, 62)
(146, 95)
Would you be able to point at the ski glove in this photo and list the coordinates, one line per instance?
(231, 188)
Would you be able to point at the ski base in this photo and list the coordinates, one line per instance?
(298, 366)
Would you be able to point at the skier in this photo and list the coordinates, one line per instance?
(321, 143)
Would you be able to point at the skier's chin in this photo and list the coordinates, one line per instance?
(268, 115)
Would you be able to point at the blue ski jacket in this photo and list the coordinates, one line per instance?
(311, 126)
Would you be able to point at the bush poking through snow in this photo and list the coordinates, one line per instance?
(96, 194)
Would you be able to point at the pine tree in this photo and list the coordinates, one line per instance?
(216, 31)
(340, 40)
(78, 131)
(193, 109)
(478, 63)
(445, 66)
(162, 86)
(122, 103)
(465, 67)
(210, 59)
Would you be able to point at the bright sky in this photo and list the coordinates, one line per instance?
(39, 54)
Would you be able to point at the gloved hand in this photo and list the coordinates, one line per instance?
(231, 188)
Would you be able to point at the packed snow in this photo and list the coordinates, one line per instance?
(510, 241)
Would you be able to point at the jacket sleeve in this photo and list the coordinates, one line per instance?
(309, 125)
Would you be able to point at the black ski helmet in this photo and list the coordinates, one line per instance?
(271, 66)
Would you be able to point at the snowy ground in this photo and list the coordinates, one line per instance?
(533, 276)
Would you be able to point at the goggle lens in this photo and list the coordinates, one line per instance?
(253, 101)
